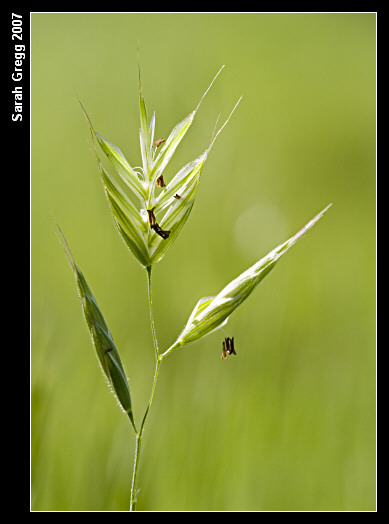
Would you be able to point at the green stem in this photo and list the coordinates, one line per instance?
(155, 342)
(139, 441)
(135, 474)
(151, 397)
(133, 497)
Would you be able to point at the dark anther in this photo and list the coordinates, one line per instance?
(160, 231)
(155, 226)
(151, 217)
(228, 347)
(177, 196)
(160, 181)
(159, 142)
(224, 352)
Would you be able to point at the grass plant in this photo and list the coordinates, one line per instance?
(149, 212)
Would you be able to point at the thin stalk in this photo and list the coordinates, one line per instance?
(139, 441)
(135, 474)
(158, 363)
(174, 346)
(155, 342)
(133, 497)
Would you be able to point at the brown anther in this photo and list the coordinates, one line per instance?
(228, 347)
(177, 196)
(151, 217)
(159, 142)
(160, 231)
(160, 181)
(155, 226)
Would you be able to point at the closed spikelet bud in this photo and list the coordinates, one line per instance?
(211, 313)
(106, 351)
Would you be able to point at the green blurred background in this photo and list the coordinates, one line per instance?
(288, 423)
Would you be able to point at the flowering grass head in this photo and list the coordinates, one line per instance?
(150, 226)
